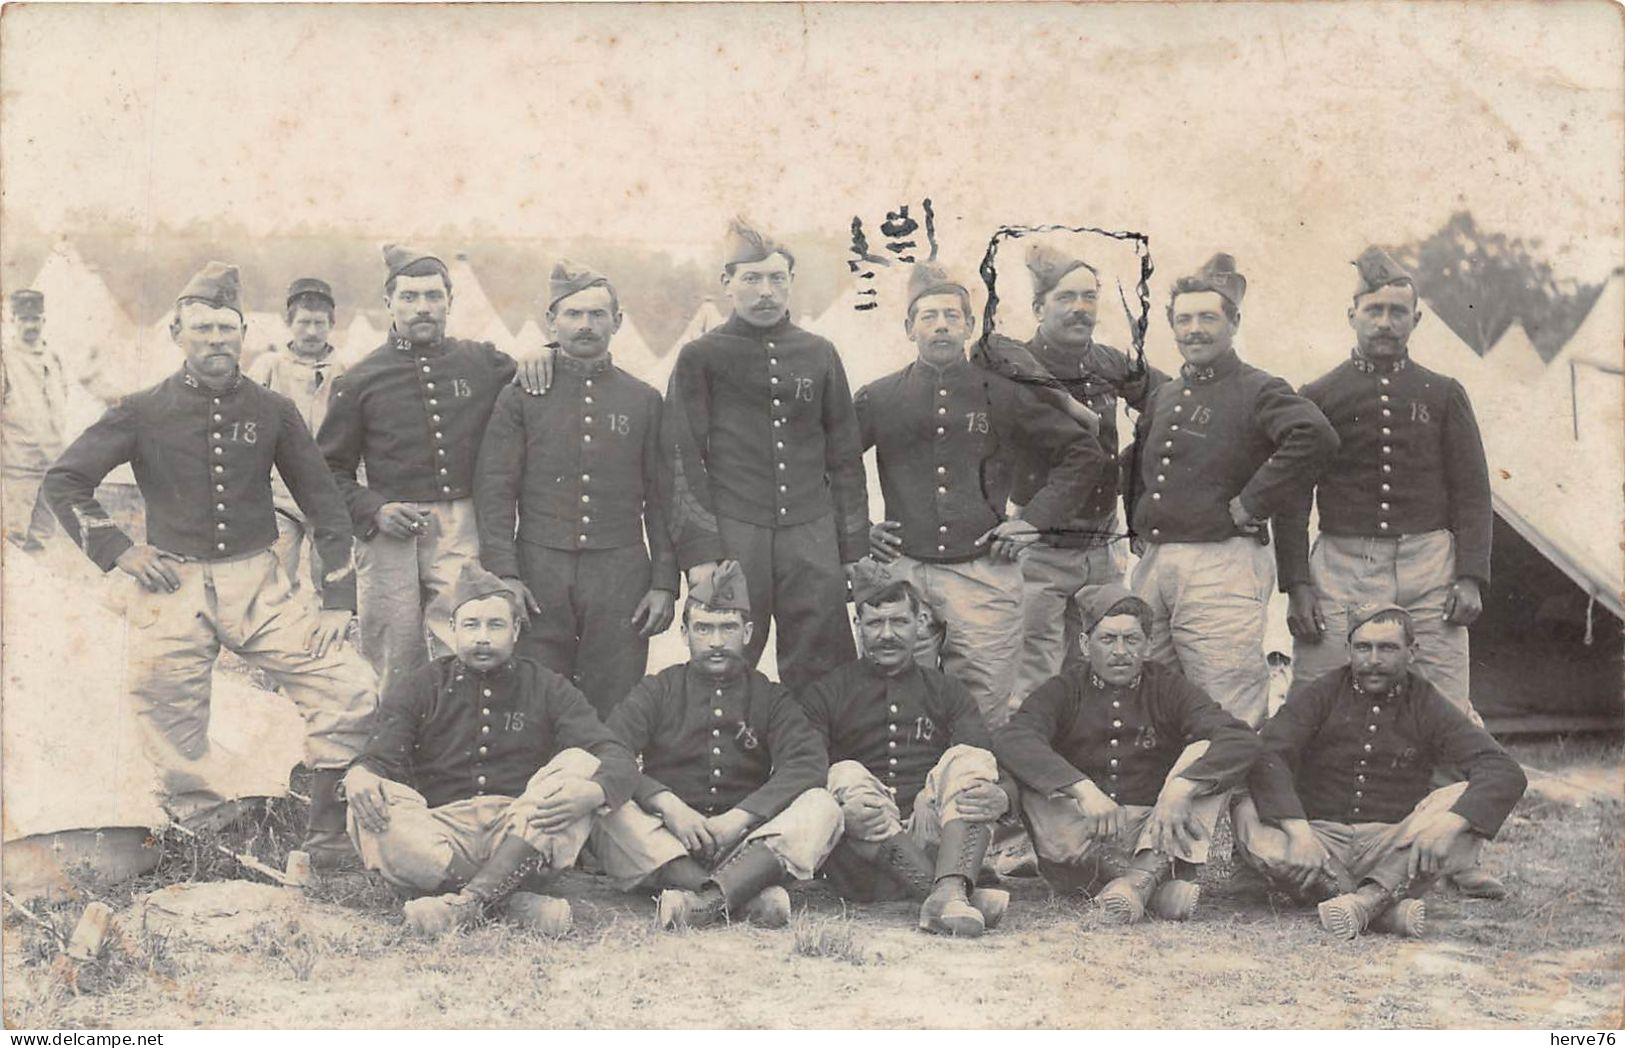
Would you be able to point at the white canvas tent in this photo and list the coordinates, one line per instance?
(530, 337)
(472, 313)
(359, 339)
(497, 333)
(1514, 355)
(708, 316)
(633, 355)
(76, 783)
(93, 335)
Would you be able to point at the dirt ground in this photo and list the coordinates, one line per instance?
(1550, 955)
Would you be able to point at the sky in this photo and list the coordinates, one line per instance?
(1290, 135)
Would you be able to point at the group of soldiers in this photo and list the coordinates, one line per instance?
(513, 532)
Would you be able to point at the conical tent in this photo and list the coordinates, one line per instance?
(1514, 355)
(708, 316)
(497, 333)
(93, 335)
(632, 353)
(472, 313)
(530, 337)
(359, 339)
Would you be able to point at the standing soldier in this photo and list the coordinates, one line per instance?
(202, 443)
(732, 797)
(1218, 451)
(911, 764)
(947, 435)
(34, 398)
(303, 371)
(764, 441)
(413, 410)
(1087, 377)
(579, 469)
(1404, 507)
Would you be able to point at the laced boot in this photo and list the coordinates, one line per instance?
(1478, 883)
(1406, 918)
(948, 910)
(1350, 914)
(496, 880)
(1123, 901)
(326, 840)
(734, 884)
(540, 913)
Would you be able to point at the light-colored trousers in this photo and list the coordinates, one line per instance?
(25, 512)
(404, 585)
(1052, 577)
(956, 771)
(295, 550)
(1413, 571)
(1208, 602)
(975, 626)
(424, 848)
(243, 604)
(631, 844)
(1376, 851)
(1057, 823)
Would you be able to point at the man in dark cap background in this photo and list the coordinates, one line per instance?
(1343, 808)
(1086, 547)
(302, 370)
(912, 767)
(203, 443)
(1123, 765)
(413, 412)
(732, 798)
(767, 467)
(1404, 507)
(949, 438)
(565, 489)
(486, 771)
(1218, 451)
(33, 400)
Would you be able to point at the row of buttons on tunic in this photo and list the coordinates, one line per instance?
(942, 487)
(1111, 787)
(891, 760)
(778, 423)
(586, 446)
(219, 473)
(1387, 450)
(485, 729)
(434, 420)
(1359, 794)
(1167, 457)
(716, 745)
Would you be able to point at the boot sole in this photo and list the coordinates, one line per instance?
(770, 909)
(540, 913)
(1176, 900)
(1340, 919)
(1407, 918)
(959, 927)
(1117, 908)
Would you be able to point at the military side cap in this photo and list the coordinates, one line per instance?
(26, 302)
(723, 590)
(400, 257)
(931, 278)
(1096, 601)
(311, 286)
(1376, 268)
(217, 285)
(745, 245)
(568, 278)
(1219, 274)
(475, 583)
(869, 577)
(1366, 612)
(1048, 266)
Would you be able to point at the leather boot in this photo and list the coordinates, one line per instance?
(1478, 883)
(436, 915)
(733, 884)
(947, 910)
(1123, 901)
(906, 862)
(991, 902)
(1062, 878)
(326, 840)
(540, 913)
(1350, 914)
(1407, 918)
(1175, 900)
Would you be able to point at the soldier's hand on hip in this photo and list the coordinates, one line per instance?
(400, 521)
(329, 630)
(1304, 619)
(535, 372)
(654, 613)
(522, 597)
(982, 801)
(570, 801)
(1009, 540)
(149, 566)
(1464, 604)
(1243, 519)
(884, 542)
(365, 790)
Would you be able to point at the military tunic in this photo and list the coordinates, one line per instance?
(767, 470)
(565, 488)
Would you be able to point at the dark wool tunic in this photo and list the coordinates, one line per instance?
(452, 733)
(897, 727)
(947, 442)
(203, 459)
(1411, 461)
(759, 428)
(1217, 432)
(581, 465)
(1125, 740)
(1334, 752)
(720, 744)
(415, 415)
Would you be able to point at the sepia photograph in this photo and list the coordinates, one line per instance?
(836, 516)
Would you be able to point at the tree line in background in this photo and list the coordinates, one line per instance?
(1476, 281)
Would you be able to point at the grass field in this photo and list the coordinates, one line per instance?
(1550, 956)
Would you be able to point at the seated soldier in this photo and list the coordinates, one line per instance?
(911, 766)
(1123, 766)
(484, 771)
(732, 795)
(1342, 803)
